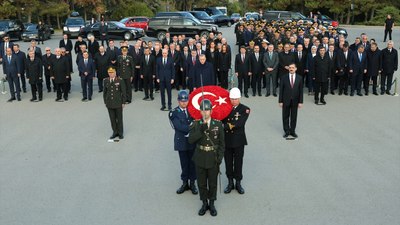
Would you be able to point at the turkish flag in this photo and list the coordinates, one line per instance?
(219, 98)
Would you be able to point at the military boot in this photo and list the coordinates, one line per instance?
(213, 210)
(230, 186)
(193, 188)
(203, 208)
(183, 188)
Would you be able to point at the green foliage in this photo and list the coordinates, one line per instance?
(131, 8)
(54, 8)
(235, 7)
(7, 9)
(382, 13)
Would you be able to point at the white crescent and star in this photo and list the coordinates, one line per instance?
(195, 99)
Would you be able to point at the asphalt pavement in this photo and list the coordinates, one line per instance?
(57, 168)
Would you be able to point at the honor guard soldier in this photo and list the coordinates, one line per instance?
(208, 135)
(125, 69)
(114, 98)
(235, 140)
(180, 121)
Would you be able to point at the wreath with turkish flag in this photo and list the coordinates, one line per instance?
(219, 97)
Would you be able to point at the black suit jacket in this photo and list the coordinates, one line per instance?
(224, 61)
(390, 61)
(68, 47)
(148, 69)
(342, 64)
(242, 67)
(256, 66)
(301, 63)
(288, 94)
(236, 136)
(322, 68)
(13, 67)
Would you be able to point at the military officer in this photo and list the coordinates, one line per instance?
(235, 140)
(125, 69)
(114, 95)
(180, 120)
(208, 135)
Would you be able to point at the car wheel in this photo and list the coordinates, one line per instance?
(206, 33)
(161, 35)
(229, 24)
(127, 36)
(89, 35)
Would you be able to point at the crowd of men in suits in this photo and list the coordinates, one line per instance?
(324, 59)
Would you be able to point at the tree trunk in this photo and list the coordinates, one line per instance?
(85, 14)
(372, 14)
(366, 17)
(58, 21)
(48, 19)
(29, 17)
(348, 17)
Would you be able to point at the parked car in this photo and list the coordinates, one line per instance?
(138, 22)
(222, 20)
(236, 17)
(73, 25)
(202, 16)
(327, 21)
(285, 15)
(11, 28)
(252, 15)
(158, 26)
(210, 10)
(177, 14)
(32, 33)
(342, 31)
(223, 9)
(116, 30)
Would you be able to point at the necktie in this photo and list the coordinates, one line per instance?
(198, 53)
(9, 59)
(300, 55)
(291, 80)
(147, 59)
(85, 62)
(345, 55)
(359, 56)
(172, 53)
(270, 55)
(184, 111)
(137, 52)
(112, 81)
(330, 55)
(243, 58)
(164, 62)
(124, 57)
(257, 56)
(194, 61)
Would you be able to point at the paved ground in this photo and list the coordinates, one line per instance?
(57, 168)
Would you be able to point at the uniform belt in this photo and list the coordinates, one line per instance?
(206, 148)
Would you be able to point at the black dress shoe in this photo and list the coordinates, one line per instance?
(121, 136)
(366, 93)
(239, 188)
(193, 188)
(136, 90)
(316, 102)
(229, 187)
(359, 94)
(183, 188)
(267, 95)
(388, 93)
(352, 94)
(145, 98)
(11, 99)
(203, 208)
(90, 99)
(294, 135)
(48, 91)
(162, 108)
(213, 210)
(33, 99)
(259, 94)
(340, 93)
(66, 99)
(382, 92)
(24, 90)
(84, 99)
(152, 98)
(375, 93)
(100, 91)
(346, 93)
(246, 95)
(332, 93)
(286, 135)
(254, 95)
(323, 101)
(40, 99)
(58, 100)
(19, 99)
(113, 136)
(275, 95)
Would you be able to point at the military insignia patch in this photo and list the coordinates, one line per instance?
(247, 111)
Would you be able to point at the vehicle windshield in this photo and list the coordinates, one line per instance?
(299, 16)
(124, 20)
(201, 14)
(119, 24)
(31, 28)
(74, 21)
(325, 17)
(3, 23)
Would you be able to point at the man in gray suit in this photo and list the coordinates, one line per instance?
(271, 61)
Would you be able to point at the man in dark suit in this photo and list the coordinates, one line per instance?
(114, 99)
(37, 50)
(47, 59)
(4, 45)
(180, 120)
(242, 70)
(148, 73)
(21, 57)
(256, 69)
(333, 60)
(103, 62)
(321, 74)
(390, 62)
(87, 70)
(300, 60)
(271, 62)
(374, 66)
(103, 30)
(358, 67)
(344, 56)
(285, 59)
(167, 40)
(290, 99)
(203, 73)
(174, 55)
(190, 69)
(112, 51)
(78, 43)
(67, 44)
(34, 74)
(165, 74)
(12, 69)
(60, 74)
(184, 58)
(93, 46)
(137, 55)
(235, 140)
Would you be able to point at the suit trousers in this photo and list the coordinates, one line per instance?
(48, 80)
(62, 89)
(343, 83)
(320, 87)
(187, 165)
(256, 83)
(100, 82)
(289, 113)
(386, 81)
(366, 80)
(223, 79)
(137, 82)
(234, 162)
(388, 31)
(15, 87)
(165, 85)
(207, 182)
(310, 82)
(356, 81)
(23, 81)
(243, 83)
(128, 89)
(116, 120)
(37, 87)
(179, 79)
(148, 85)
(270, 78)
(87, 86)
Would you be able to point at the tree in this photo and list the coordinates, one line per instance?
(7, 9)
(131, 8)
(57, 8)
(91, 6)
